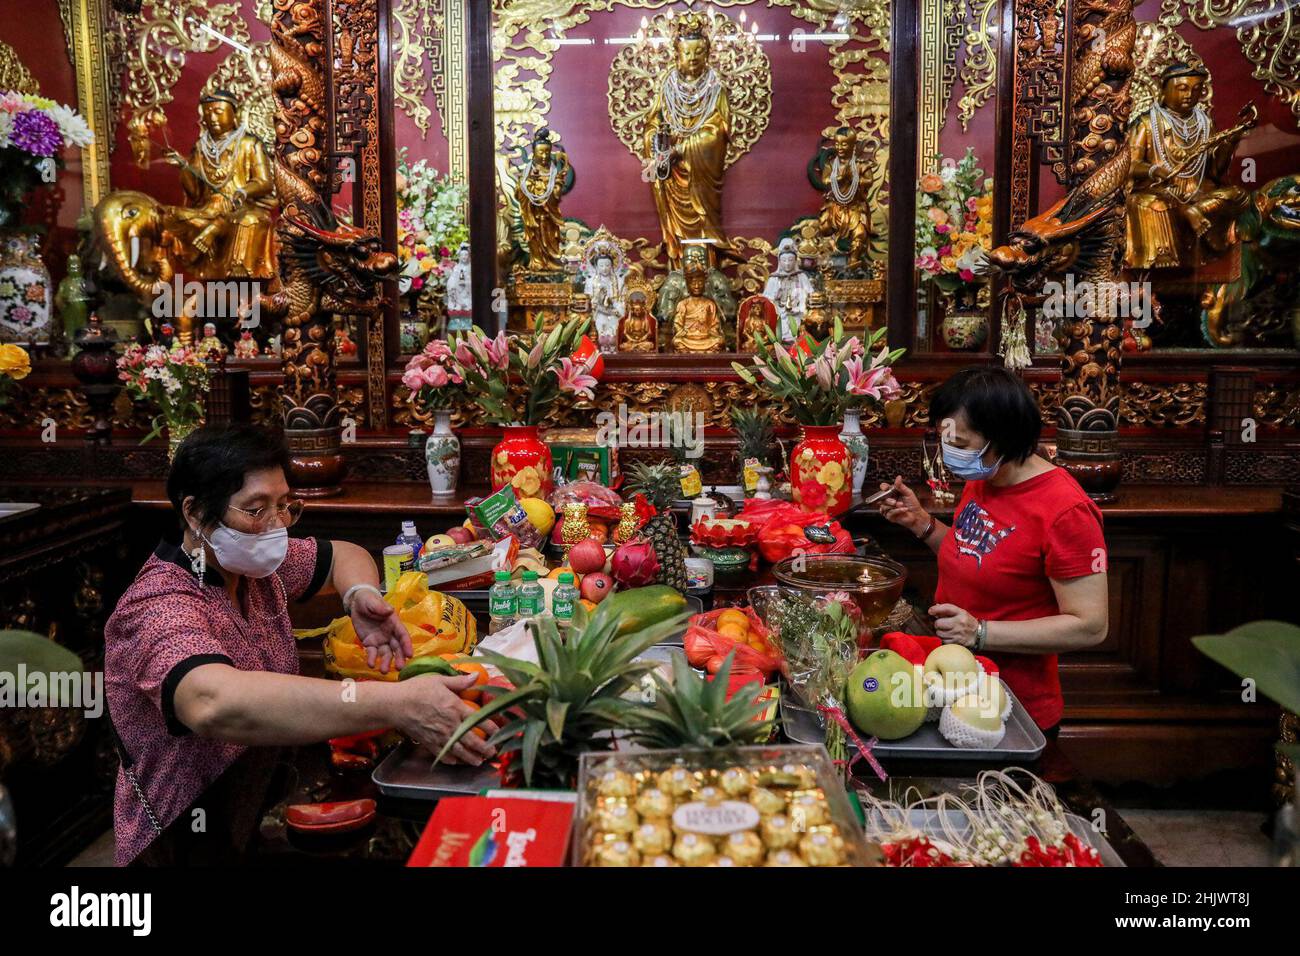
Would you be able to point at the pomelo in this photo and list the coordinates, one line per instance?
(885, 697)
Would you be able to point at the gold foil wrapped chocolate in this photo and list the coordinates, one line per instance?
(653, 837)
(736, 781)
(808, 809)
(654, 803)
(615, 853)
(743, 846)
(822, 847)
(766, 801)
(693, 849)
(616, 783)
(661, 859)
(677, 781)
(615, 816)
(784, 858)
(778, 832)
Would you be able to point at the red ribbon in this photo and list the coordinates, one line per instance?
(864, 748)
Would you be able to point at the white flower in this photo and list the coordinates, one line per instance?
(71, 125)
(948, 173)
(6, 124)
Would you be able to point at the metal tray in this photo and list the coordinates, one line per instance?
(409, 772)
(1023, 739)
(927, 821)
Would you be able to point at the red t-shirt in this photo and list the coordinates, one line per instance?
(996, 561)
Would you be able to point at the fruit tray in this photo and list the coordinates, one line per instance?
(1022, 741)
(714, 805)
(409, 773)
(928, 822)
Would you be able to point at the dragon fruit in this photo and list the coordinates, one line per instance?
(635, 563)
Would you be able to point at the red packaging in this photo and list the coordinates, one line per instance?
(917, 647)
(702, 643)
(494, 831)
(781, 532)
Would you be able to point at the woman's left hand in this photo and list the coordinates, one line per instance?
(952, 625)
(381, 631)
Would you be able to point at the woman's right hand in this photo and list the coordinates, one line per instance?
(431, 711)
(903, 507)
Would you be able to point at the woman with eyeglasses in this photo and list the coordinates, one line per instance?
(201, 667)
(1022, 570)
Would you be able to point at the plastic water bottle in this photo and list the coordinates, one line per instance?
(411, 537)
(532, 597)
(503, 603)
(563, 602)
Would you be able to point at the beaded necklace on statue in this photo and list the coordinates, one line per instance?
(539, 199)
(838, 193)
(1188, 134)
(688, 102)
(214, 149)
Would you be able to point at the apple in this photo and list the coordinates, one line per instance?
(596, 586)
(460, 534)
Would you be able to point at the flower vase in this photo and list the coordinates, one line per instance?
(176, 434)
(26, 300)
(821, 471)
(442, 455)
(856, 442)
(523, 460)
(965, 326)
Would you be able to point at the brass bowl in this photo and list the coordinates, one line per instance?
(873, 582)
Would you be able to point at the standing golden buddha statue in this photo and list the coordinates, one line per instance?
(1180, 213)
(541, 183)
(230, 196)
(686, 136)
(697, 321)
(844, 214)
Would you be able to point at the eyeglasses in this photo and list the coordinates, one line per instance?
(261, 518)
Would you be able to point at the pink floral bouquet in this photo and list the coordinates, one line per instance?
(434, 377)
(173, 380)
(954, 222)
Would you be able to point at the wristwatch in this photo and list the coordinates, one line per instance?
(347, 595)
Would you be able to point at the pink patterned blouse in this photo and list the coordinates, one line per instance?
(166, 624)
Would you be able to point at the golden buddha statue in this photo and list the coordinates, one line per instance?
(541, 183)
(757, 312)
(230, 196)
(844, 213)
(1180, 213)
(686, 137)
(637, 330)
(697, 322)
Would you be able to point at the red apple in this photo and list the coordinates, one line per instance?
(460, 534)
(586, 556)
(596, 587)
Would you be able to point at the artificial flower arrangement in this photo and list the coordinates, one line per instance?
(172, 379)
(816, 381)
(34, 131)
(15, 365)
(954, 222)
(430, 222)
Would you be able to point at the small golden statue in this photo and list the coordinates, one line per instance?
(695, 256)
(686, 136)
(1180, 213)
(541, 183)
(230, 197)
(844, 213)
(637, 330)
(697, 322)
(576, 526)
(756, 312)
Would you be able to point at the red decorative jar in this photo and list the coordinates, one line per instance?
(821, 471)
(523, 460)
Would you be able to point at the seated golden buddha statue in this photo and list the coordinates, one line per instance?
(230, 197)
(1180, 212)
(697, 323)
(637, 330)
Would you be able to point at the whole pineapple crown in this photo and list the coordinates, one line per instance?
(660, 483)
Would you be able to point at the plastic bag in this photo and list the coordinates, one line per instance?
(782, 532)
(917, 647)
(704, 644)
(600, 501)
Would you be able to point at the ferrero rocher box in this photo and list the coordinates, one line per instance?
(744, 806)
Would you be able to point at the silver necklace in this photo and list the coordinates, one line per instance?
(688, 102)
(539, 199)
(1187, 133)
(838, 193)
(214, 150)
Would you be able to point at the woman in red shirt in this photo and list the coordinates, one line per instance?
(1022, 570)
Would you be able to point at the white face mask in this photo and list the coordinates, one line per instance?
(252, 555)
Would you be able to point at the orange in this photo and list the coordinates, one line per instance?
(733, 616)
(735, 632)
(589, 605)
(479, 731)
(577, 578)
(480, 673)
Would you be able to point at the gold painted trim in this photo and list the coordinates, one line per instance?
(87, 26)
(455, 118)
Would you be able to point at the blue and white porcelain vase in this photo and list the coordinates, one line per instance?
(856, 442)
(442, 455)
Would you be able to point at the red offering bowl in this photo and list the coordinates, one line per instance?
(338, 817)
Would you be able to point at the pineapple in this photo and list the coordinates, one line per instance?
(661, 484)
(691, 711)
(754, 439)
(587, 686)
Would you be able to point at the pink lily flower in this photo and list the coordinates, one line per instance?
(574, 377)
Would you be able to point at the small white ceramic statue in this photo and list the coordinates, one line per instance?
(788, 288)
(460, 308)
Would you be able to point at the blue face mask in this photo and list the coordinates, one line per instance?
(968, 464)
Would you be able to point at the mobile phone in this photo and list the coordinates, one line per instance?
(881, 495)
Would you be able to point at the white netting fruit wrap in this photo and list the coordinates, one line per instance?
(963, 735)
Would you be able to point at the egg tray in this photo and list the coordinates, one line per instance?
(593, 765)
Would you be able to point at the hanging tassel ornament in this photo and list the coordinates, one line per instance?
(1014, 348)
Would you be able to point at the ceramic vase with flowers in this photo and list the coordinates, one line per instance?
(174, 380)
(817, 381)
(954, 229)
(436, 385)
(515, 379)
